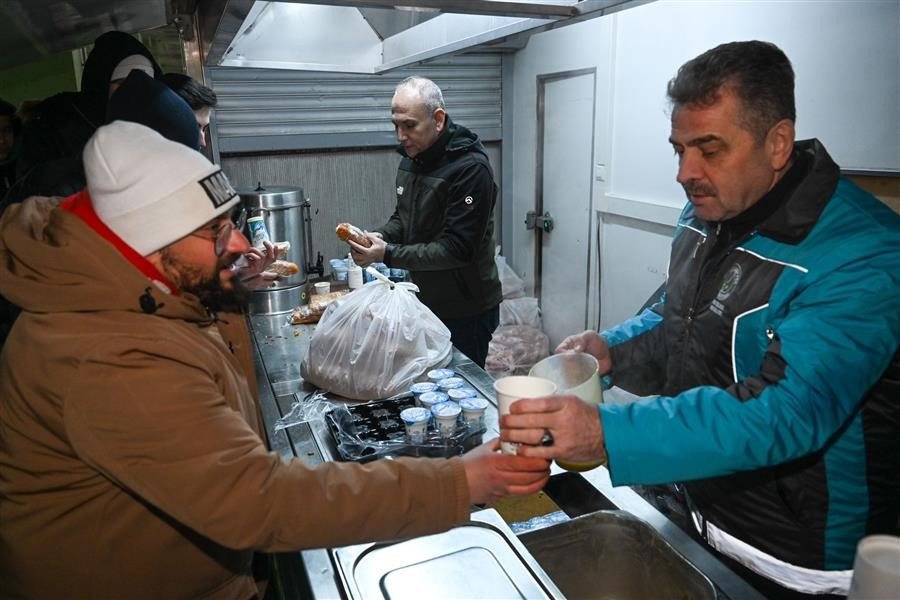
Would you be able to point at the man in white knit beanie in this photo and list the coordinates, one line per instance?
(133, 461)
(169, 206)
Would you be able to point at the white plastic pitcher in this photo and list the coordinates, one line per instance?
(575, 373)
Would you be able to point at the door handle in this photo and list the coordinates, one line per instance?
(534, 221)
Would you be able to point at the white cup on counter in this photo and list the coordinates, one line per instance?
(512, 388)
(876, 569)
(322, 287)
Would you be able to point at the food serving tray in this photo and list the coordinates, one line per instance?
(364, 432)
(481, 559)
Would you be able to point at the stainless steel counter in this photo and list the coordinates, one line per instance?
(279, 349)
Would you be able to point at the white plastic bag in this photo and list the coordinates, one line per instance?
(520, 311)
(511, 284)
(514, 349)
(375, 342)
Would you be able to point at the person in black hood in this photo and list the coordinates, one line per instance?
(443, 227)
(52, 140)
(140, 99)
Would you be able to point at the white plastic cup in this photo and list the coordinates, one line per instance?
(416, 420)
(449, 383)
(876, 569)
(446, 415)
(421, 387)
(473, 412)
(429, 399)
(322, 287)
(512, 388)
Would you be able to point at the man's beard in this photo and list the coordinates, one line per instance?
(208, 287)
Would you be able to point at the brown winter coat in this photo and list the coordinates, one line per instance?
(131, 463)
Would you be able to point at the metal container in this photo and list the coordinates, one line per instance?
(613, 554)
(286, 215)
(478, 560)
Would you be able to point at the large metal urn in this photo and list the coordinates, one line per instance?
(286, 214)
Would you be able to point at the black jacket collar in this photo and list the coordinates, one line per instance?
(788, 212)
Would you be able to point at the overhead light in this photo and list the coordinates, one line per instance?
(421, 9)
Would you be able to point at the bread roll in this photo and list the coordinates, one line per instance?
(347, 231)
(284, 268)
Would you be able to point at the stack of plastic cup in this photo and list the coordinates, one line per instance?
(338, 269)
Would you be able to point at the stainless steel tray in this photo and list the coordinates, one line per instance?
(482, 559)
(612, 554)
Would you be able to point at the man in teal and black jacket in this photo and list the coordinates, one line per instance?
(770, 364)
(443, 227)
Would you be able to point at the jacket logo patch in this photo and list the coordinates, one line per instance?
(730, 282)
(469, 200)
(399, 190)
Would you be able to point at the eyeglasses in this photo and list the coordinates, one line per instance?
(222, 233)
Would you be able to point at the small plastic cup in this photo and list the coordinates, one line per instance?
(416, 420)
(438, 374)
(420, 388)
(446, 415)
(460, 393)
(473, 412)
(429, 399)
(322, 287)
(449, 383)
(339, 273)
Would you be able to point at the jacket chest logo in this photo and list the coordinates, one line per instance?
(729, 282)
(399, 190)
(469, 200)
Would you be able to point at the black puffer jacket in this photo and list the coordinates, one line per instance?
(442, 230)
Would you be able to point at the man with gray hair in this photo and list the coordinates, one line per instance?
(442, 229)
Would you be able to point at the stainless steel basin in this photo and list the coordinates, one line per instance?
(611, 554)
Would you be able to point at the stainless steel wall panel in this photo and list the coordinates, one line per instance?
(269, 109)
(345, 185)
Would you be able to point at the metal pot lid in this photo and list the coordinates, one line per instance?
(273, 196)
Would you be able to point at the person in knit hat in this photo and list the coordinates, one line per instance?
(201, 99)
(141, 99)
(133, 462)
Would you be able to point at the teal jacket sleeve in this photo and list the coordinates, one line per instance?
(837, 338)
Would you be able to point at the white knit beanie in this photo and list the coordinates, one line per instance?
(149, 190)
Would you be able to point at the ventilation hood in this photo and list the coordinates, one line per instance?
(373, 36)
(368, 36)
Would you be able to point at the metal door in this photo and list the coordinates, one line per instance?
(563, 204)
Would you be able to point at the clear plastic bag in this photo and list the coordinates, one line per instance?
(511, 284)
(375, 342)
(514, 349)
(520, 311)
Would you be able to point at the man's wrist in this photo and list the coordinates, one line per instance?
(388, 254)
